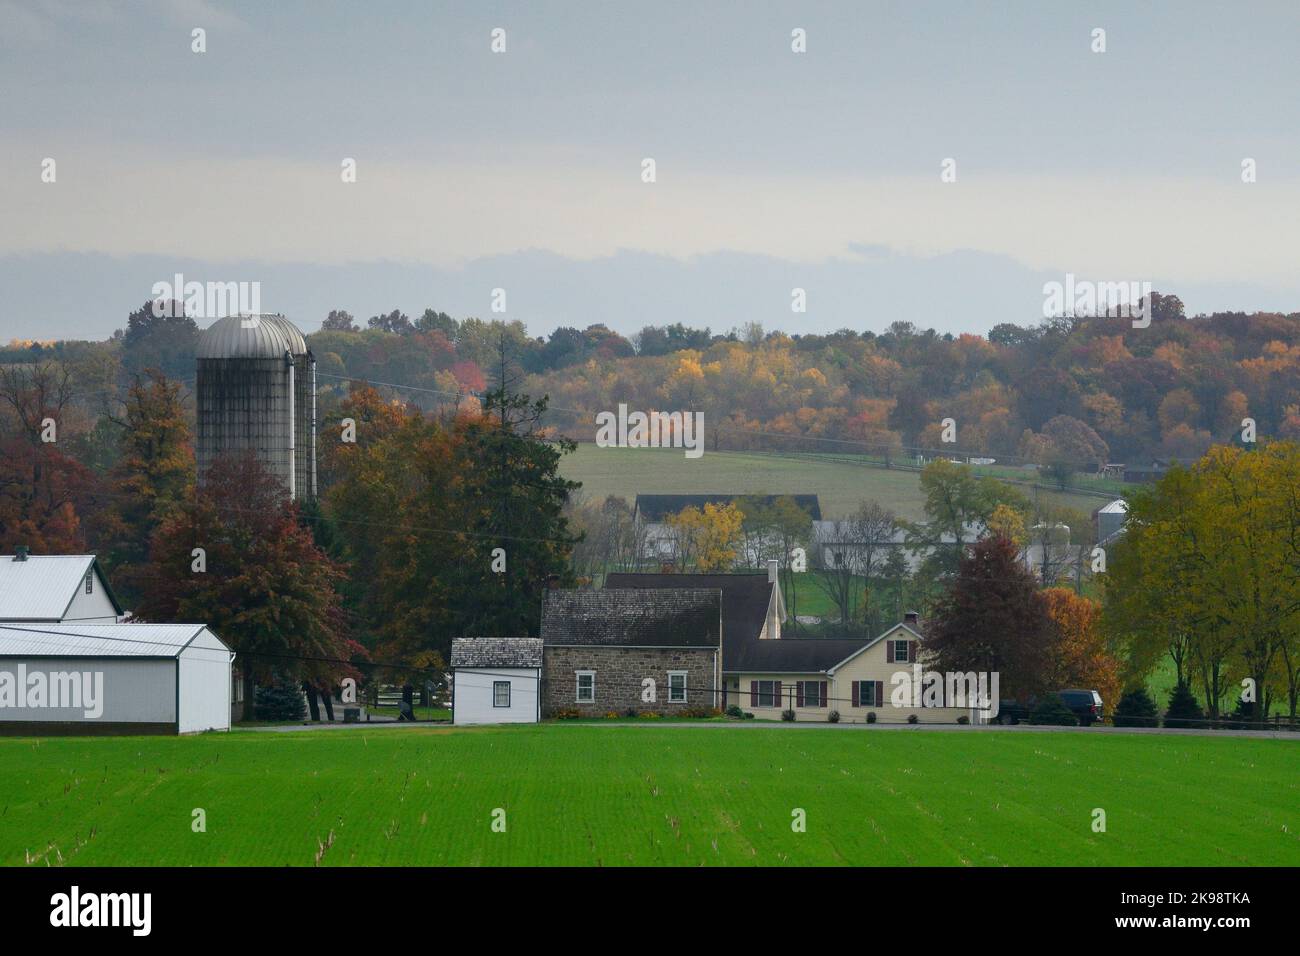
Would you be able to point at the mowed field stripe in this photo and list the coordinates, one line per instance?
(606, 796)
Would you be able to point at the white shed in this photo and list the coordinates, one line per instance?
(496, 680)
(113, 679)
(55, 588)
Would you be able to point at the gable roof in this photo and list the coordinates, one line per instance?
(99, 640)
(658, 507)
(888, 632)
(632, 617)
(791, 655)
(42, 587)
(745, 598)
(496, 652)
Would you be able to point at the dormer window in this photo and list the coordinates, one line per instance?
(900, 650)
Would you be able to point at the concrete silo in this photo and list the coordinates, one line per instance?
(256, 391)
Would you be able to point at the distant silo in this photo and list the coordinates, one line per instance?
(257, 392)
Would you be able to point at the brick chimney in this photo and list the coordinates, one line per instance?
(910, 619)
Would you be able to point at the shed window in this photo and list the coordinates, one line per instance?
(586, 687)
(90, 581)
(501, 693)
(677, 687)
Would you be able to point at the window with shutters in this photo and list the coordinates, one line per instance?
(768, 691)
(586, 687)
(677, 687)
(501, 693)
(900, 650)
(867, 693)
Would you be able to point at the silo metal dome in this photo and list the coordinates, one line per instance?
(251, 336)
(256, 392)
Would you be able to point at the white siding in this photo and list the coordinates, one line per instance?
(204, 685)
(473, 695)
(134, 690)
(93, 608)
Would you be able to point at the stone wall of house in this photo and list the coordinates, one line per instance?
(619, 673)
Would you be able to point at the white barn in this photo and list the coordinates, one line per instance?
(113, 679)
(496, 680)
(55, 588)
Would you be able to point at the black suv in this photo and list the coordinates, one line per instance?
(1084, 704)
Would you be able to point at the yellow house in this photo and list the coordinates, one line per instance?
(880, 680)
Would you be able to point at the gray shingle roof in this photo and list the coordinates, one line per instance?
(496, 652)
(618, 617)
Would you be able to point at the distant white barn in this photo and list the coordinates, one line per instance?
(113, 679)
(55, 588)
(496, 680)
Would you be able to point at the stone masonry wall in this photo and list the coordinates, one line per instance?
(619, 672)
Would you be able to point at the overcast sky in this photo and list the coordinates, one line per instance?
(522, 169)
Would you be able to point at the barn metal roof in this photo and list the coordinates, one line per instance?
(41, 587)
(251, 336)
(98, 640)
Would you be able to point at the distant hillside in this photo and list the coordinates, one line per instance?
(840, 483)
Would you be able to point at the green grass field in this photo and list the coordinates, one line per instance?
(612, 795)
(842, 482)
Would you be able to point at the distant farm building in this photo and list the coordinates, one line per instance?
(53, 589)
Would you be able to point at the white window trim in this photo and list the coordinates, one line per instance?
(509, 693)
(671, 675)
(907, 659)
(775, 693)
(577, 687)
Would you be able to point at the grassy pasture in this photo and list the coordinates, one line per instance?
(842, 481)
(614, 795)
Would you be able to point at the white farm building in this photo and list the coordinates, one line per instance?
(112, 679)
(51, 588)
(496, 680)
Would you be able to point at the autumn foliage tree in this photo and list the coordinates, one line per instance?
(992, 617)
(1079, 656)
(151, 479)
(235, 557)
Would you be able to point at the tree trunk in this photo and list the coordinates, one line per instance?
(250, 693)
(312, 704)
(327, 695)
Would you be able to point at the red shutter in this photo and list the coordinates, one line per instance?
(753, 693)
(880, 693)
(799, 694)
(911, 651)
(889, 652)
(822, 691)
(856, 695)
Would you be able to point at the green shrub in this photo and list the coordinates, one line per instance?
(748, 715)
(1183, 710)
(1051, 710)
(734, 711)
(963, 719)
(787, 715)
(281, 700)
(871, 717)
(833, 716)
(1136, 709)
(913, 719)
